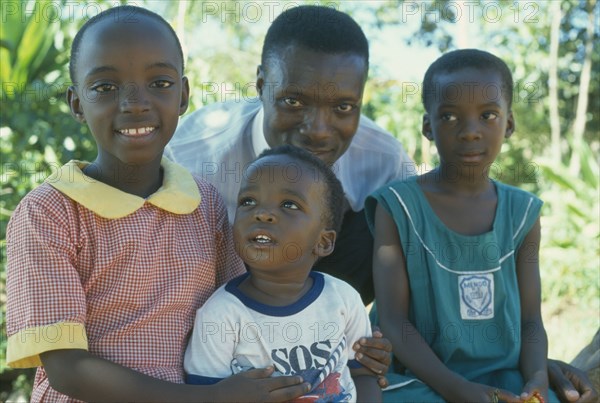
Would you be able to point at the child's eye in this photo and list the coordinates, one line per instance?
(104, 87)
(293, 102)
(448, 117)
(345, 107)
(290, 204)
(247, 201)
(161, 84)
(489, 116)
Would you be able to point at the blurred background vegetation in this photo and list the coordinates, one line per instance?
(551, 47)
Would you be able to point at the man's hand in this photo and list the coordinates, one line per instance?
(375, 354)
(570, 383)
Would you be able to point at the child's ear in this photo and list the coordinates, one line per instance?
(426, 127)
(185, 95)
(75, 104)
(260, 79)
(326, 243)
(510, 125)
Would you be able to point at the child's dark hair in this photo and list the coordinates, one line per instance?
(316, 28)
(123, 14)
(334, 193)
(466, 59)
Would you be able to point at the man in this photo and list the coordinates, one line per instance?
(311, 79)
(310, 82)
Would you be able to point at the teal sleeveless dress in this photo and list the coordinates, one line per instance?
(464, 291)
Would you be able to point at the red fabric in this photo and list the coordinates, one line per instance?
(134, 283)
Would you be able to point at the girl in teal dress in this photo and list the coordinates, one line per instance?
(456, 254)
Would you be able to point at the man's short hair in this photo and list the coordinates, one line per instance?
(466, 59)
(316, 28)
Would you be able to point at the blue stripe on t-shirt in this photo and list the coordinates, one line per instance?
(288, 310)
(353, 364)
(201, 380)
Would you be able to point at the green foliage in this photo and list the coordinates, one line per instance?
(28, 48)
(571, 228)
(434, 17)
(397, 108)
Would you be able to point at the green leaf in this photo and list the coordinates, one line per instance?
(12, 26)
(590, 171)
(560, 178)
(35, 43)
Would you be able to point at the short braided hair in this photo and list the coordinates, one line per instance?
(124, 14)
(466, 59)
(334, 193)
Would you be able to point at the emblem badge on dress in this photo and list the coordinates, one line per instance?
(476, 296)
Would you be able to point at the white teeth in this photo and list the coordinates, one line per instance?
(140, 131)
(262, 239)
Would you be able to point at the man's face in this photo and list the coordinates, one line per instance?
(312, 100)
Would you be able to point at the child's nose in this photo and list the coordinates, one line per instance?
(470, 130)
(134, 99)
(265, 215)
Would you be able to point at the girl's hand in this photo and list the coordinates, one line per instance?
(536, 389)
(477, 392)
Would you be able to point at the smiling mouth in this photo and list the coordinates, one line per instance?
(262, 239)
(139, 131)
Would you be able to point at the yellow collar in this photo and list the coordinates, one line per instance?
(179, 193)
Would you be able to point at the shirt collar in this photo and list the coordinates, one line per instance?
(178, 194)
(259, 144)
